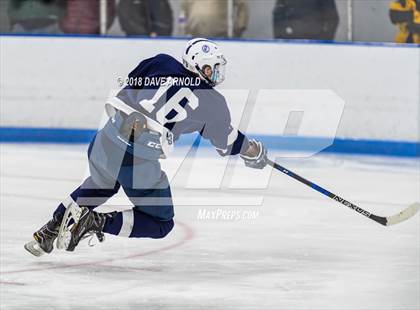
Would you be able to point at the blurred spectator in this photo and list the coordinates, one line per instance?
(145, 17)
(4, 17)
(305, 19)
(209, 18)
(35, 16)
(405, 14)
(415, 26)
(82, 16)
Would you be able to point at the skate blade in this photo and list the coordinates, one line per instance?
(34, 248)
(73, 212)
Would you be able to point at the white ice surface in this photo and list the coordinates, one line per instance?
(302, 251)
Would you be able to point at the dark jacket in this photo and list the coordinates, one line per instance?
(305, 19)
(143, 17)
(82, 16)
(35, 13)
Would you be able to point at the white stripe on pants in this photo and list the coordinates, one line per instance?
(127, 223)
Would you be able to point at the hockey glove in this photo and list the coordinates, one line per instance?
(256, 155)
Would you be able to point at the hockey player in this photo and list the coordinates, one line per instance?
(167, 99)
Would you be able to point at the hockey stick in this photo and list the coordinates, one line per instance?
(405, 214)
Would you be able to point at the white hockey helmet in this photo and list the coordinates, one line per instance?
(200, 53)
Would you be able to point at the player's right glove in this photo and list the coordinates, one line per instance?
(256, 155)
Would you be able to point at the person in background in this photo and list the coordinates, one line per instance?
(305, 19)
(145, 17)
(35, 16)
(82, 16)
(405, 14)
(209, 18)
(4, 17)
(415, 26)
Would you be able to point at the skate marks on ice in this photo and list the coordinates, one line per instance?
(187, 235)
(302, 252)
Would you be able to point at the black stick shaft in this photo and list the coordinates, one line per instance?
(379, 219)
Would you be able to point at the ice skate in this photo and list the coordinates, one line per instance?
(44, 238)
(89, 223)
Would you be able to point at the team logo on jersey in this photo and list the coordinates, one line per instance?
(206, 48)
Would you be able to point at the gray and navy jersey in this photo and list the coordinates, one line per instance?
(164, 91)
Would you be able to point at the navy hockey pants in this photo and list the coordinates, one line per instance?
(152, 211)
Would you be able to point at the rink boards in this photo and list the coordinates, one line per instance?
(54, 89)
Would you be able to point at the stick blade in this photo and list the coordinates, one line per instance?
(404, 215)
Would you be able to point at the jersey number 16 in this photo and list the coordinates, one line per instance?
(173, 104)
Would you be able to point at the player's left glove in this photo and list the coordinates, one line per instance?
(256, 155)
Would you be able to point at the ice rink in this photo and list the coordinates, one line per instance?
(296, 250)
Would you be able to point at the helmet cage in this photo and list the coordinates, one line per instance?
(218, 72)
(202, 53)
